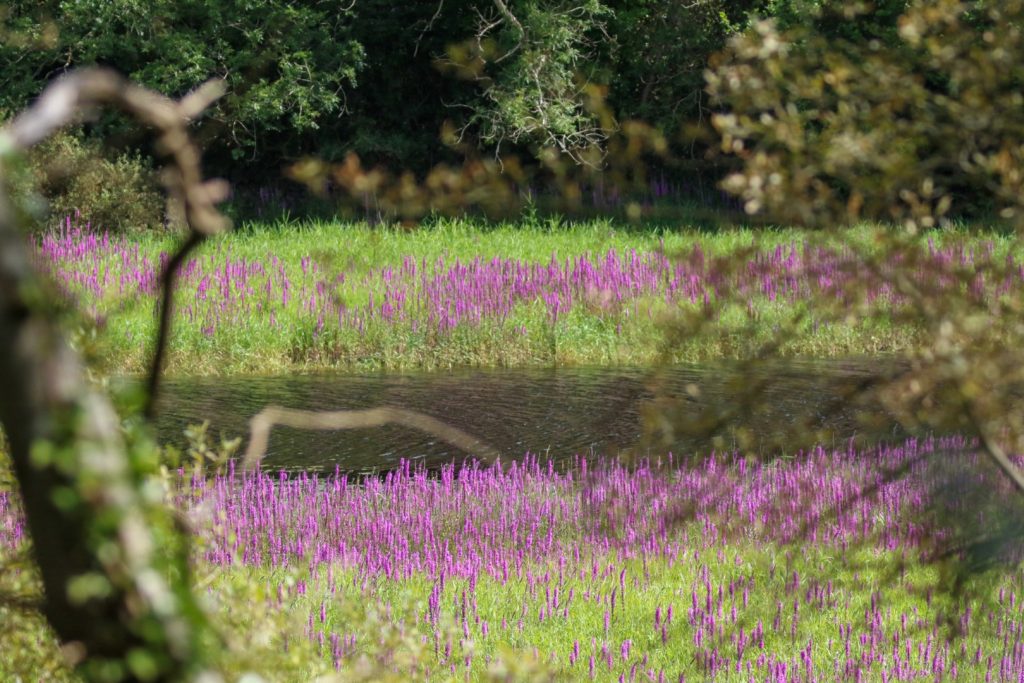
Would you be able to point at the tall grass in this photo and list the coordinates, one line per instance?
(270, 298)
(814, 568)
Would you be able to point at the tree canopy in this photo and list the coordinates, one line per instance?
(383, 79)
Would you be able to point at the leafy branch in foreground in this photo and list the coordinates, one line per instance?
(831, 132)
(113, 565)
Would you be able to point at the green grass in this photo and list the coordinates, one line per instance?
(262, 617)
(635, 332)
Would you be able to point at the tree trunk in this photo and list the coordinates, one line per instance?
(114, 568)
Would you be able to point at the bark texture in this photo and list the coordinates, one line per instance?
(114, 572)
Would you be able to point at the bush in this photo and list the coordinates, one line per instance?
(74, 176)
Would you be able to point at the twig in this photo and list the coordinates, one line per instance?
(166, 309)
(266, 419)
(428, 27)
(994, 451)
(511, 18)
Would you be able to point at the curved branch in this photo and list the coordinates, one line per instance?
(429, 26)
(510, 18)
(168, 277)
(117, 597)
(992, 448)
(64, 102)
(266, 419)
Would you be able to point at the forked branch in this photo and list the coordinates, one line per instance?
(993, 450)
(67, 100)
(506, 13)
(106, 588)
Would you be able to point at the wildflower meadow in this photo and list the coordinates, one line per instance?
(835, 563)
(334, 296)
(820, 567)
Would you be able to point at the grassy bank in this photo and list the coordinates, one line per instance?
(269, 299)
(724, 570)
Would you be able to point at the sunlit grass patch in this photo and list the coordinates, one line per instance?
(816, 566)
(458, 293)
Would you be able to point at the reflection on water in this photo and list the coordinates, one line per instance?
(557, 412)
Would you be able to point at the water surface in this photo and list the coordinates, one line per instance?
(554, 412)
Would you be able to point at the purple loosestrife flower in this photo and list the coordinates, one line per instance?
(532, 527)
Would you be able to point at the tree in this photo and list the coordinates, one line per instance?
(113, 565)
(531, 61)
(286, 67)
(831, 131)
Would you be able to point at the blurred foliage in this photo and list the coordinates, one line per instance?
(68, 175)
(661, 49)
(162, 616)
(111, 555)
(287, 66)
(202, 455)
(615, 170)
(835, 129)
(830, 129)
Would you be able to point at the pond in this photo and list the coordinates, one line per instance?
(556, 412)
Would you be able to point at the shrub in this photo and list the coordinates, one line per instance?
(72, 175)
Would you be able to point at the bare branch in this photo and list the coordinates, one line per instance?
(510, 18)
(428, 27)
(167, 279)
(266, 419)
(994, 451)
(199, 100)
(63, 103)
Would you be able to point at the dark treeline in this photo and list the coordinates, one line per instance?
(410, 84)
